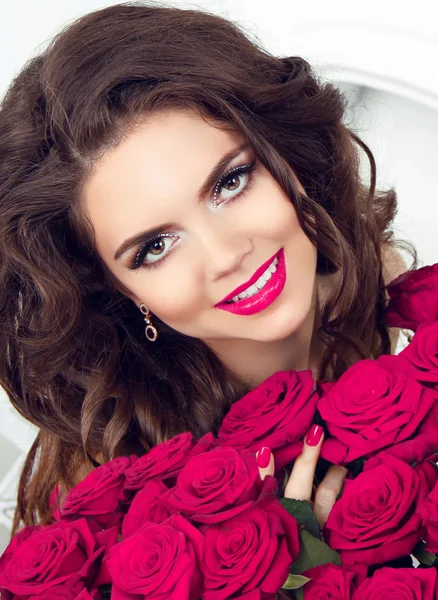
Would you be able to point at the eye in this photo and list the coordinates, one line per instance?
(153, 251)
(234, 183)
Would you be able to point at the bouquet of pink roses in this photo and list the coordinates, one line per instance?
(193, 519)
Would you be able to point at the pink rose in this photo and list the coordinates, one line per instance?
(159, 562)
(216, 485)
(412, 451)
(413, 298)
(21, 536)
(163, 461)
(428, 511)
(427, 472)
(147, 507)
(44, 557)
(76, 592)
(422, 355)
(98, 495)
(375, 519)
(328, 582)
(370, 408)
(251, 551)
(64, 592)
(86, 595)
(400, 584)
(277, 414)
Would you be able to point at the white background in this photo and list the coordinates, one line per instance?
(383, 54)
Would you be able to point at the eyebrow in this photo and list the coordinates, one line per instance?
(211, 180)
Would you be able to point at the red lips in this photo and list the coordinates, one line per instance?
(253, 279)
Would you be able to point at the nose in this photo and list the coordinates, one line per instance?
(223, 251)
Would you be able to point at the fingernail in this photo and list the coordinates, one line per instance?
(263, 458)
(314, 435)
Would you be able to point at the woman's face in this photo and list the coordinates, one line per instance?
(210, 242)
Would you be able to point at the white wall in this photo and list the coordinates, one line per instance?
(403, 137)
(383, 53)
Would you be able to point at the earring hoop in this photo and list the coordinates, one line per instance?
(151, 332)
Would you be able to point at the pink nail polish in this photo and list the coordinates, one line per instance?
(314, 435)
(264, 457)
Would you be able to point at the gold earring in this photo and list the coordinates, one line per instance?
(151, 332)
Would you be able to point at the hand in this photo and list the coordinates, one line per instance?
(300, 482)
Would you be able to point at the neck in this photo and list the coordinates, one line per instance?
(254, 361)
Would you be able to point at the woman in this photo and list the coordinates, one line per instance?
(156, 164)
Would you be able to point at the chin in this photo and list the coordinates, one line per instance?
(282, 325)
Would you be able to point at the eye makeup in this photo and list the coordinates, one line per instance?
(247, 169)
(138, 260)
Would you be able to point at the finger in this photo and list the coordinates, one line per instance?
(300, 483)
(265, 462)
(327, 492)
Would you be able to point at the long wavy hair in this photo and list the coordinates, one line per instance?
(74, 358)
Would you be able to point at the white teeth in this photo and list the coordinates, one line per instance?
(253, 289)
(261, 281)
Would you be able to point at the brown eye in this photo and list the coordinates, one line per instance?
(234, 183)
(153, 252)
(157, 247)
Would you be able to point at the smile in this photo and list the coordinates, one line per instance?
(260, 291)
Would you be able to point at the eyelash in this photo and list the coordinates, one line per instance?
(137, 260)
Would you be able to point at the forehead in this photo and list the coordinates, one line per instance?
(155, 170)
(165, 137)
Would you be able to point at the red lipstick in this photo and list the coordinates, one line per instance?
(264, 297)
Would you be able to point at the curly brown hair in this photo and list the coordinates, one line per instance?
(74, 360)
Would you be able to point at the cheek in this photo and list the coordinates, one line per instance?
(279, 219)
(173, 294)
(268, 212)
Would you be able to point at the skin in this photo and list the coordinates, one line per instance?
(300, 482)
(153, 177)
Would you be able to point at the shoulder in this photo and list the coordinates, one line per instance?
(393, 264)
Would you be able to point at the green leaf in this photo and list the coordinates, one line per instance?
(298, 593)
(423, 555)
(303, 513)
(313, 552)
(293, 582)
(105, 591)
